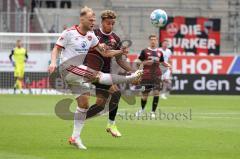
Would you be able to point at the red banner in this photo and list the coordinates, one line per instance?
(192, 35)
(202, 64)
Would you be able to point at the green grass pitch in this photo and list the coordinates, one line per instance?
(29, 129)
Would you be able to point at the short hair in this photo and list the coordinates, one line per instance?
(85, 10)
(165, 40)
(108, 14)
(18, 40)
(152, 36)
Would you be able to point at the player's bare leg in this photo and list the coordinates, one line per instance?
(79, 119)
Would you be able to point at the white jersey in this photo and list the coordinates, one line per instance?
(166, 71)
(166, 54)
(74, 43)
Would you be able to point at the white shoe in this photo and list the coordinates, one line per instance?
(137, 75)
(77, 142)
(139, 113)
(163, 96)
(153, 115)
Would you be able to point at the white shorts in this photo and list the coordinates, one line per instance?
(167, 75)
(78, 84)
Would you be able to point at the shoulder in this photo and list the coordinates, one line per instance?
(116, 37)
(97, 31)
(91, 33)
(144, 51)
(169, 51)
(160, 49)
(70, 31)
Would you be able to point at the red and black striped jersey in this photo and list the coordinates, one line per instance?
(95, 60)
(151, 71)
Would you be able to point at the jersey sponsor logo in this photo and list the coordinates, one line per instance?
(81, 50)
(83, 44)
(89, 37)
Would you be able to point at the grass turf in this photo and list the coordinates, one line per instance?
(29, 129)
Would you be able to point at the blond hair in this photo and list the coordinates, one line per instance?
(108, 14)
(85, 10)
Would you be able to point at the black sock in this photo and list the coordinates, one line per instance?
(113, 105)
(155, 103)
(94, 110)
(143, 103)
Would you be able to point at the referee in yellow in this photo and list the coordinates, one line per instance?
(20, 57)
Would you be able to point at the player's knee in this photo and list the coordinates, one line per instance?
(101, 101)
(83, 101)
(144, 97)
(156, 92)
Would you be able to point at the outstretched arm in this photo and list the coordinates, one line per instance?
(110, 53)
(55, 52)
(123, 64)
(166, 64)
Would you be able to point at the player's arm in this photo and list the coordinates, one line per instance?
(110, 53)
(169, 58)
(123, 64)
(10, 57)
(26, 56)
(60, 44)
(164, 63)
(55, 52)
(101, 48)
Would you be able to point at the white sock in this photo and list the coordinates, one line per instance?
(110, 79)
(111, 122)
(79, 118)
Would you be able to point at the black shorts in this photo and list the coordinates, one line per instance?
(151, 85)
(102, 89)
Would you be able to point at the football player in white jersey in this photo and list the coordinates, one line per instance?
(167, 75)
(72, 43)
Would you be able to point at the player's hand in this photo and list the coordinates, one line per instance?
(167, 65)
(52, 67)
(103, 46)
(125, 50)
